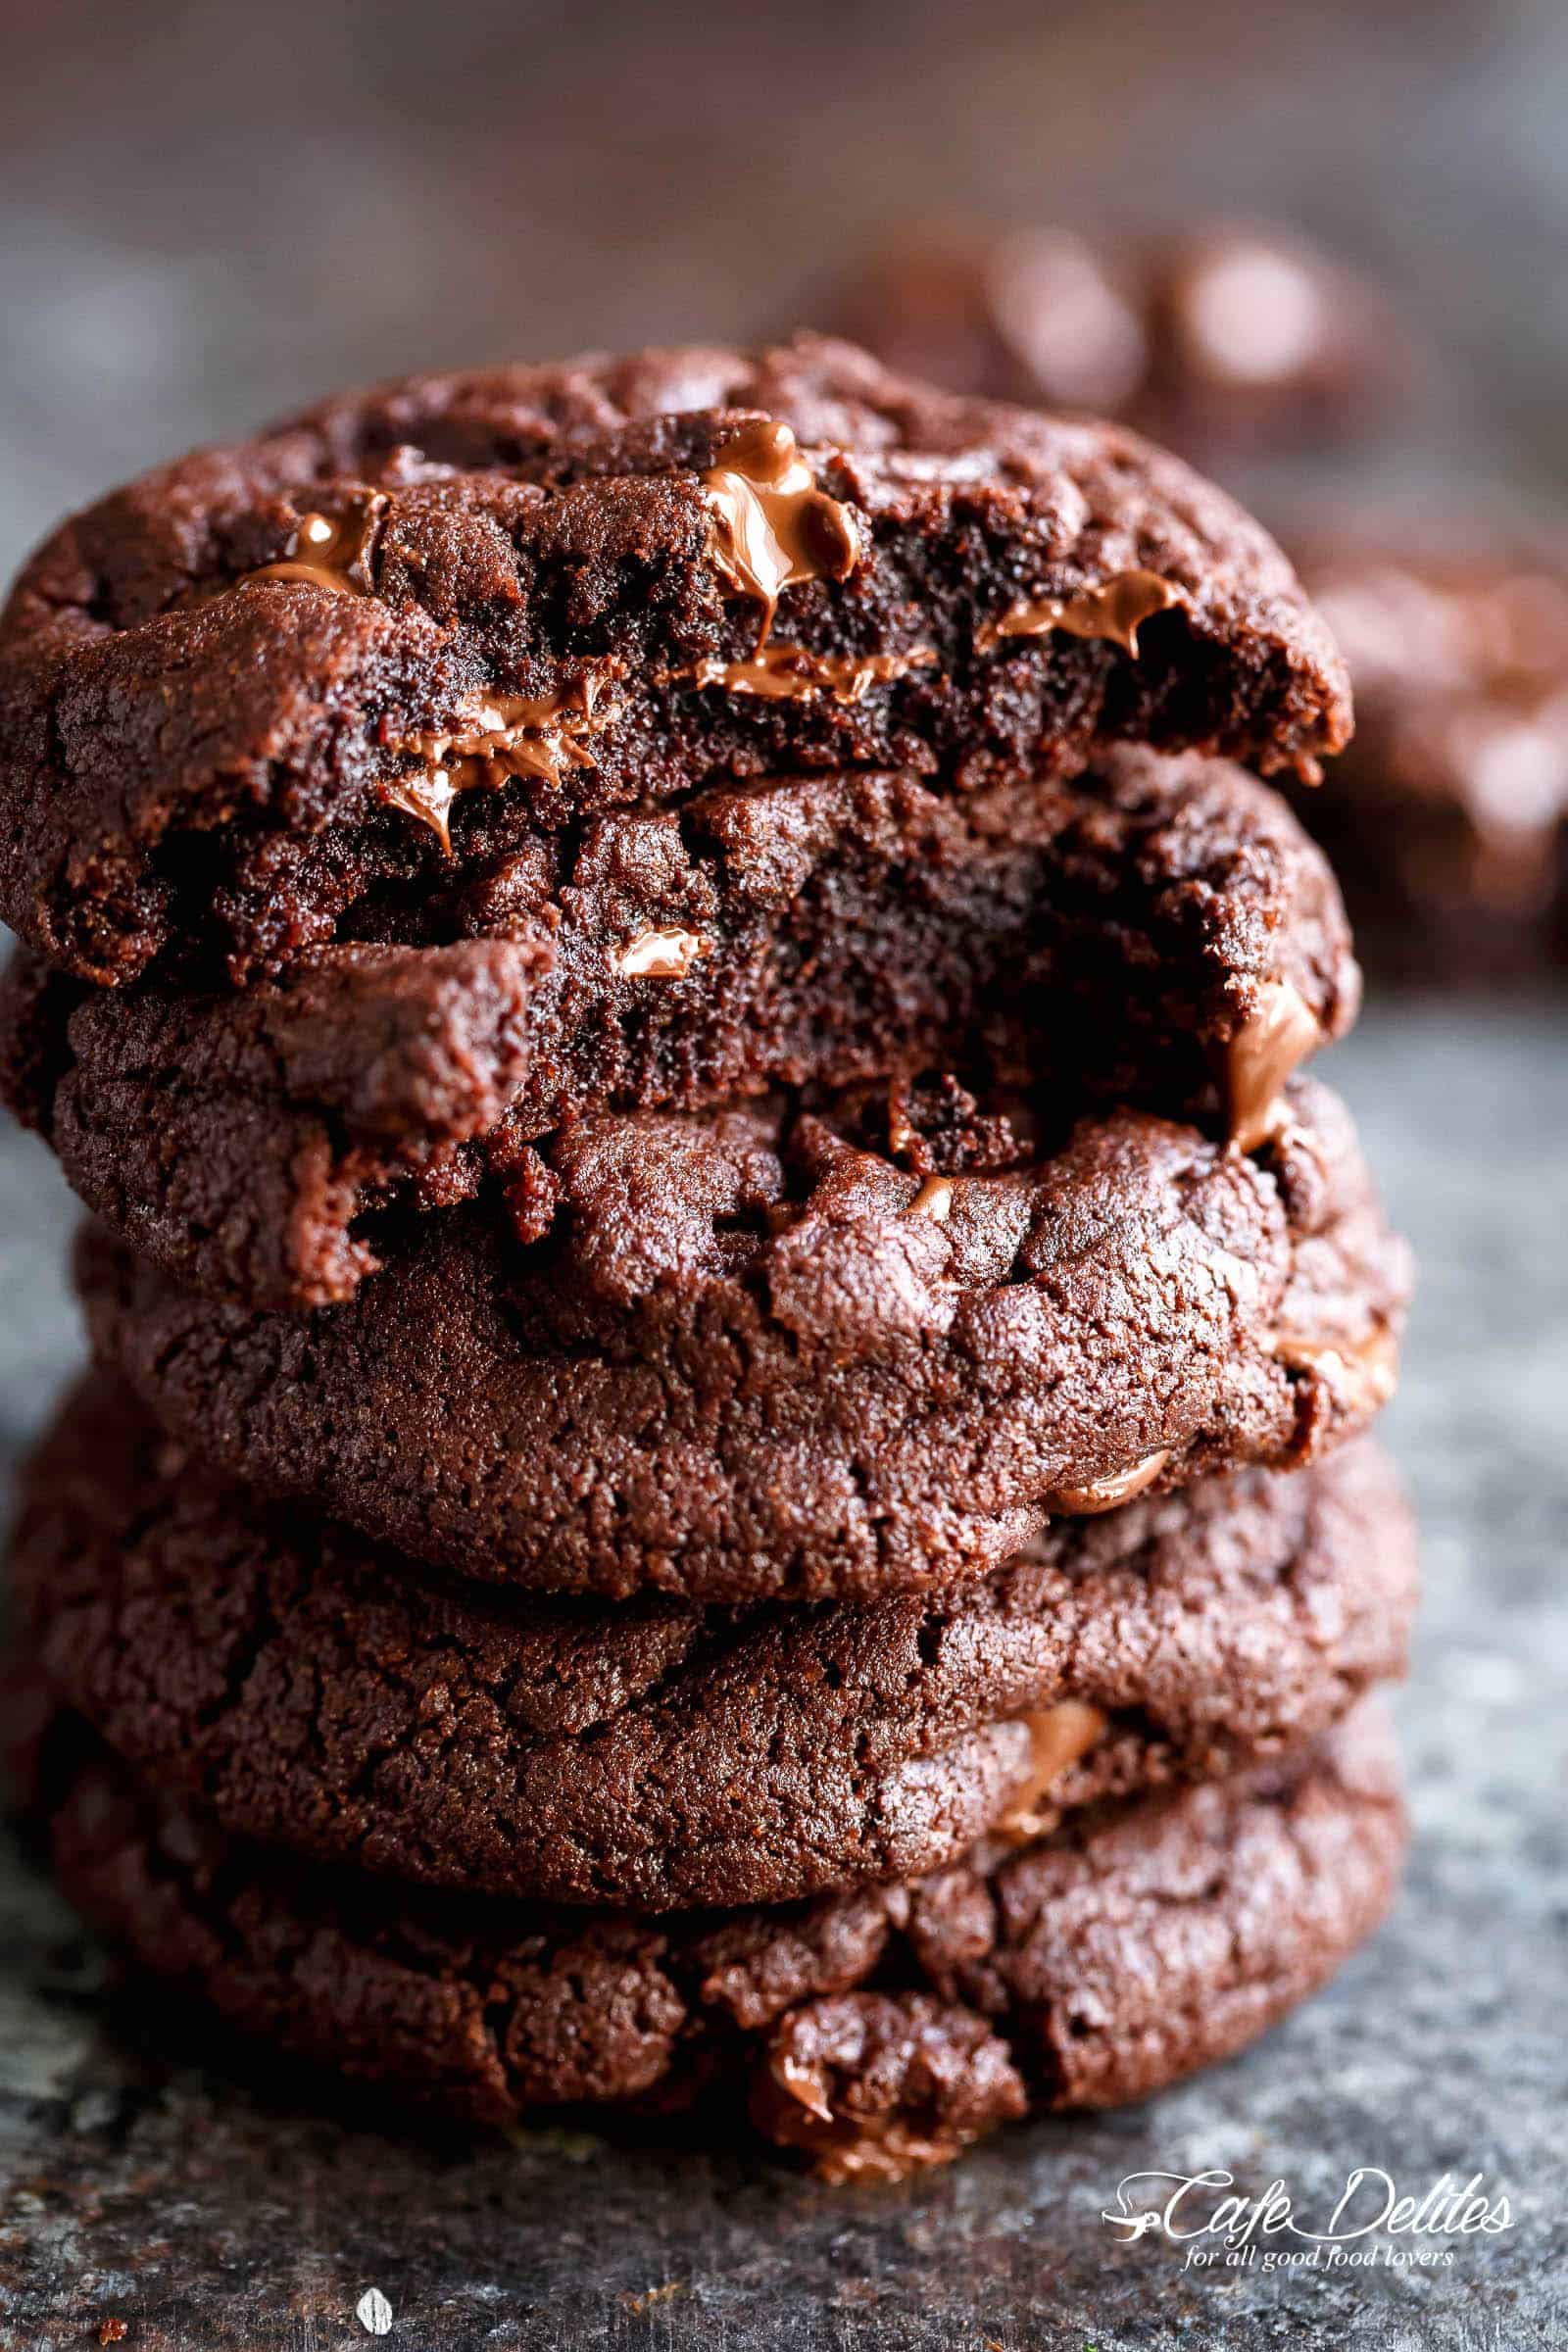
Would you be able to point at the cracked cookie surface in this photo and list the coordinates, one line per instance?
(874, 2031)
(793, 1351)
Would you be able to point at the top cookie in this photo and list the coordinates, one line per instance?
(268, 684)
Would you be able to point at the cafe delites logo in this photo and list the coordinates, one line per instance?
(1371, 2224)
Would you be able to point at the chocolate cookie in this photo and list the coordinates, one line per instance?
(873, 2032)
(1224, 336)
(794, 1352)
(1162, 933)
(1448, 820)
(269, 687)
(315, 1693)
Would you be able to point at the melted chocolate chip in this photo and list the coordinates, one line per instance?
(508, 735)
(1059, 1737)
(1260, 1056)
(329, 554)
(786, 673)
(1364, 1372)
(1108, 1493)
(772, 526)
(1114, 609)
(666, 954)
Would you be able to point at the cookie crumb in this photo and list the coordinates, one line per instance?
(373, 2312)
(637, 2305)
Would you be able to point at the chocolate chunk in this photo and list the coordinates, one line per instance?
(877, 2085)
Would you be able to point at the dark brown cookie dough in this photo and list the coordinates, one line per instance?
(791, 1352)
(315, 1693)
(1226, 336)
(875, 2031)
(267, 685)
(1127, 936)
(240, 1139)
(1448, 818)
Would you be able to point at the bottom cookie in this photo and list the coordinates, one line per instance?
(873, 2032)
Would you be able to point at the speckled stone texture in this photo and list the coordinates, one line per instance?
(152, 2183)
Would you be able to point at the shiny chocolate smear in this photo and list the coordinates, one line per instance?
(1114, 609)
(772, 526)
(1257, 1060)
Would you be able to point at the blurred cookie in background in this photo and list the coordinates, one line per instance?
(1264, 343)
(1223, 336)
(1038, 315)
(1447, 817)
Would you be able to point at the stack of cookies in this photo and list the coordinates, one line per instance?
(722, 1463)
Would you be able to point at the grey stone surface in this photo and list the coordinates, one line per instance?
(203, 2202)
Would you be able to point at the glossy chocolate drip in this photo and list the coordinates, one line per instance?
(1114, 609)
(934, 1200)
(786, 673)
(328, 554)
(773, 527)
(1105, 1493)
(1058, 1737)
(665, 954)
(1257, 1060)
(427, 797)
(507, 735)
(1366, 1370)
